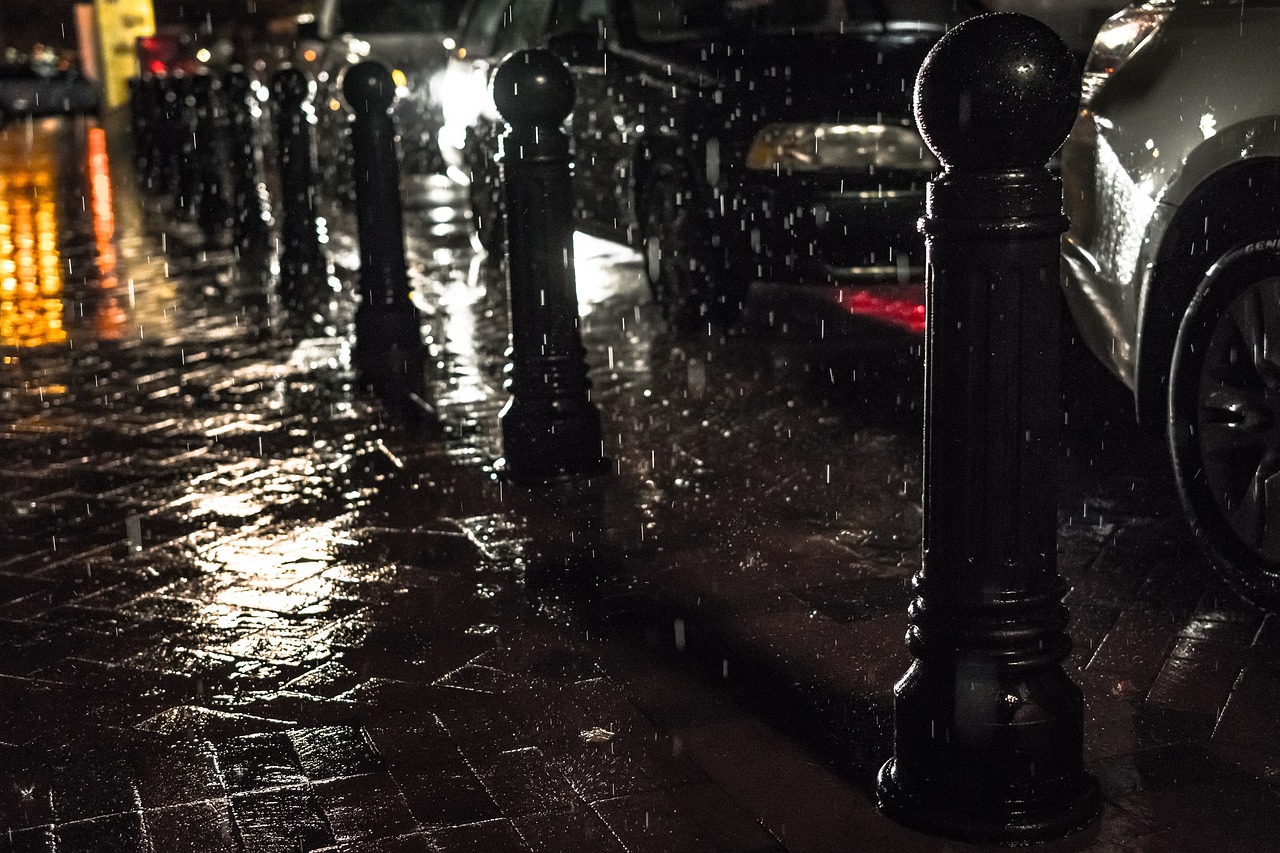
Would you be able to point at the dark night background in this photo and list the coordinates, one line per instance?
(52, 22)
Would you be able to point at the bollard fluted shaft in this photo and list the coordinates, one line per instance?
(247, 219)
(550, 426)
(166, 136)
(389, 351)
(988, 741)
(302, 264)
(188, 164)
(212, 210)
(140, 112)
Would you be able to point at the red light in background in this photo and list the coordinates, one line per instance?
(157, 67)
(900, 305)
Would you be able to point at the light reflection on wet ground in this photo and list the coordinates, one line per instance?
(327, 626)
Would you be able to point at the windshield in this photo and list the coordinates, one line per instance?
(397, 16)
(666, 19)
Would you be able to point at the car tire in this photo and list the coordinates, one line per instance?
(687, 273)
(1224, 418)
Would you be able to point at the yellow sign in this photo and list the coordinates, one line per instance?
(120, 24)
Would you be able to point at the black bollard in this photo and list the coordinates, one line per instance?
(166, 137)
(302, 264)
(140, 111)
(988, 742)
(189, 178)
(389, 353)
(248, 220)
(212, 212)
(550, 427)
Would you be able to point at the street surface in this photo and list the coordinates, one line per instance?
(244, 607)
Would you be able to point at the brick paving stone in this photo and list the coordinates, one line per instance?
(578, 831)
(499, 836)
(367, 806)
(1135, 648)
(523, 782)
(652, 822)
(447, 796)
(203, 827)
(1198, 675)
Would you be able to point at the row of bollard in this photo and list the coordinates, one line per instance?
(195, 140)
(988, 727)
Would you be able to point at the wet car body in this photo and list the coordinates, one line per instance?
(703, 147)
(1171, 176)
(41, 90)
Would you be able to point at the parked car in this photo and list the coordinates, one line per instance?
(42, 88)
(1172, 183)
(730, 142)
(405, 35)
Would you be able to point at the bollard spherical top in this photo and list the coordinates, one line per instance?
(290, 85)
(368, 87)
(533, 87)
(997, 92)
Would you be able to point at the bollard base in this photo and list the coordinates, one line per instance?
(551, 447)
(389, 353)
(960, 815)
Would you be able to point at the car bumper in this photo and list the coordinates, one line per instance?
(815, 231)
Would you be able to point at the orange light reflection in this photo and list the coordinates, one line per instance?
(30, 265)
(110, 317)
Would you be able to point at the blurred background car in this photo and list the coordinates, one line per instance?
(407, 36)
(1172, 262)
(734, 144)
(43, 85)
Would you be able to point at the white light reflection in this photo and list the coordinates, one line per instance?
(602, 270)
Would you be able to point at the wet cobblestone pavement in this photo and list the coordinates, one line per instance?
(243, 608)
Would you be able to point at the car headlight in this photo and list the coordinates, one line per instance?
(844, 147)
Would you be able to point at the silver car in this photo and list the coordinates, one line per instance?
(1172, 263)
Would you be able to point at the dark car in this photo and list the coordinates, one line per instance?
(42, 89)
(735, 141)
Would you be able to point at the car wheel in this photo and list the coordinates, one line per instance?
(1224, 418)
(681, 262)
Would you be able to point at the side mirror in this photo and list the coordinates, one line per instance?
(577, 48)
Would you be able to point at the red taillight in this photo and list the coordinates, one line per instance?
(900, 305)
(157, 67)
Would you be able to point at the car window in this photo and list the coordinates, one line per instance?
(675, 18)
(397, 16)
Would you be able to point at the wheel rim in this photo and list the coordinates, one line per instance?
(1238, 416)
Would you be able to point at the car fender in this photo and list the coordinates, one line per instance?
(1210, 207)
